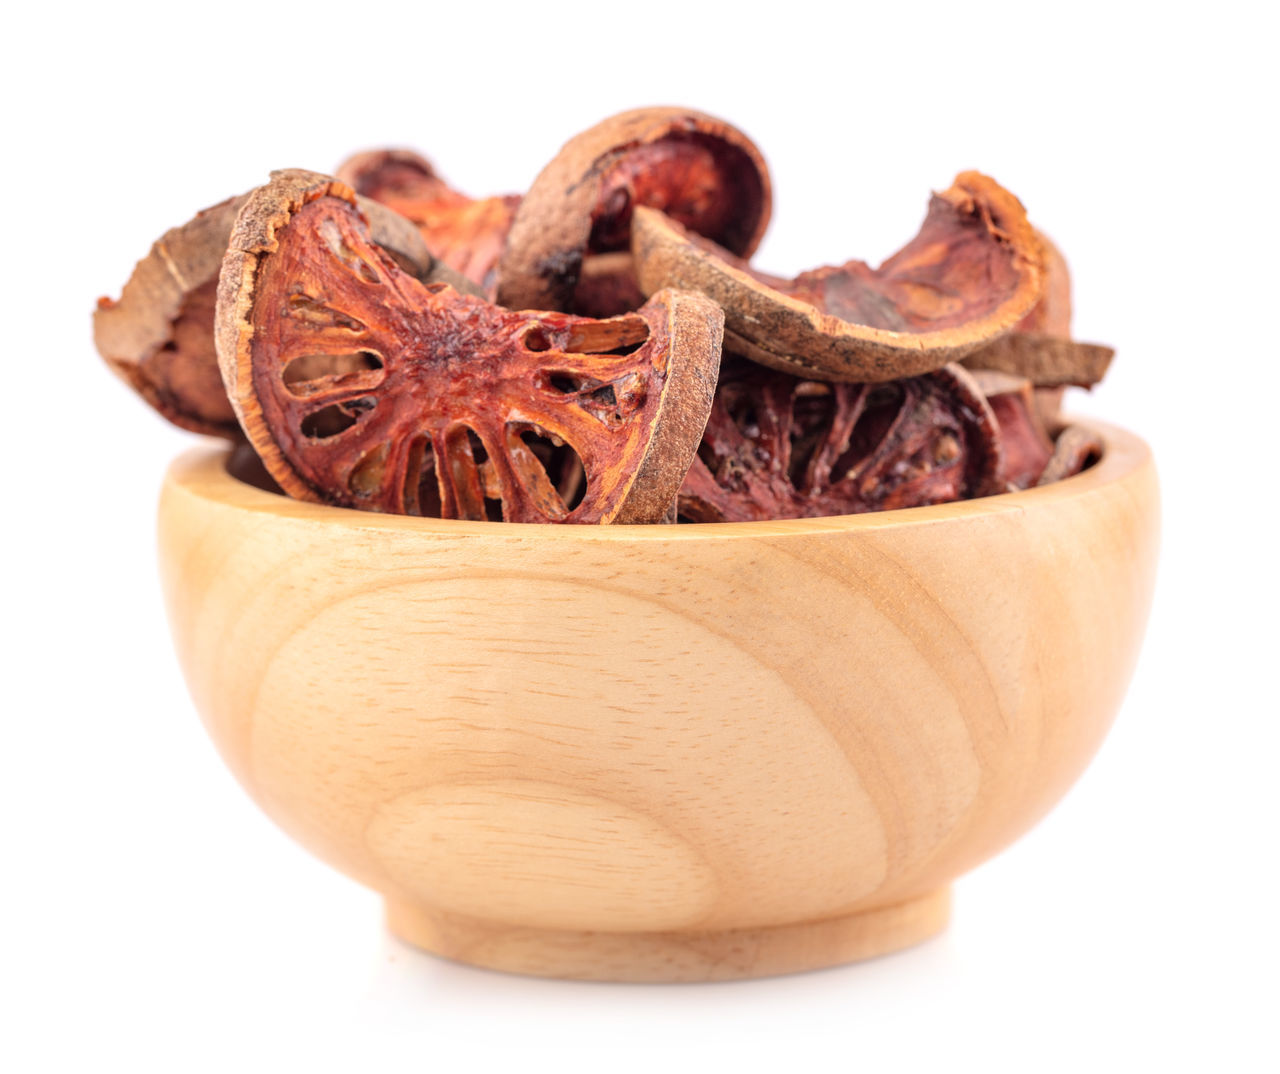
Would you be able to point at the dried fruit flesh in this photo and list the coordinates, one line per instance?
(361, 387)
(466, 233)
(972, 272)
(1025, 445)
(777, 446)
(1040, 347)
(704, 172)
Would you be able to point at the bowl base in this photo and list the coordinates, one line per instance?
(733, 954)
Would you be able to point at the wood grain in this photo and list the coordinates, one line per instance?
(663, 752)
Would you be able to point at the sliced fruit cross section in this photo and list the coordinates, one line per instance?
(780, 447)
(361, 387)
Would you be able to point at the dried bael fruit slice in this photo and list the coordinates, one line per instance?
(361, 387)
(703, 172)
(158, 336)
(1040, 347)
(1025, 445)
(1075, 448)
(467, 234)
(780, 447)
(974, 270)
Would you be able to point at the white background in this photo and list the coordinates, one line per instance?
(153, 919)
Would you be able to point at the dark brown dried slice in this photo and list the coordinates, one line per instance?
(777, 446)
(972, 273)
(361, 387)
(466, 233)
(158, 336)
(1025, 445)
(703, 172)
(1075, 448)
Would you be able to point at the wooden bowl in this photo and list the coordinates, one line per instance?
(663, 752)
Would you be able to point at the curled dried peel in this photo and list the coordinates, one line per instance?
(361, 387)
(973, 272)
(159, 335)
(777, 446)
(701, 170)
(466, 233)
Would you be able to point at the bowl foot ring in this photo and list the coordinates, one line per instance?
(732, 954)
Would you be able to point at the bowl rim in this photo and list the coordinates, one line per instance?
(204, 472)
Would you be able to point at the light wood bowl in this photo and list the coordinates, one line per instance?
(662, 752)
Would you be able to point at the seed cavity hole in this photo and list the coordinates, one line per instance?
(369, 473)
(880, 415)
(336, 418)
(567, 384)
(561, 463)
(310, 373)
(619, 335)
(422, 482)
(488, 477)
(536, 339)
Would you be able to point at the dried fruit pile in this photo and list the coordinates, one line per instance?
(601, 349)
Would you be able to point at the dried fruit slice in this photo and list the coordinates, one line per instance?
(158, 336)
(1040, 347)
(973, 271)
(361, 387)
(1075, 448)
(467, 234)
(703, 172)
(1025, 445)
(780, 447)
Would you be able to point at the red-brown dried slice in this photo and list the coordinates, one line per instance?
(971, 274)
(158, 336)
(702, 171)
(777, 446)
(1025, 445)
(361, 387)
(1040, 347)
(466, 233)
